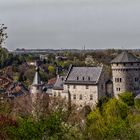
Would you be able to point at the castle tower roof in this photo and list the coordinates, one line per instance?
(37, 79)
(125, 57)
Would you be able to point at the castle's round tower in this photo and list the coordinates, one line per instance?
(126, 73)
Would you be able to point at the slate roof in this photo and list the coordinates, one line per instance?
(59, 83)
(83, 75)
(125, 57)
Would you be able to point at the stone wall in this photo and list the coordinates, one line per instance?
(83, 94)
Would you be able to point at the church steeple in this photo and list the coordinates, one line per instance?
(37, 85)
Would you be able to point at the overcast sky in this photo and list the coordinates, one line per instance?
(71, 23)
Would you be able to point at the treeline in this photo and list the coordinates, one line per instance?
(112, 119)
(8, 59)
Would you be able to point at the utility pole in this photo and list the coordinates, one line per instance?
(3, 35)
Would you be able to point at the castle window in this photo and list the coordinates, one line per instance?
(74, 97)
(91, 97)
(74, 86)
(59, 94)
(118, 89)
(87, 87)
(80, 97)
(54, 94)
(102, 86)
(136, 79)
(120, 79)
(77, 78)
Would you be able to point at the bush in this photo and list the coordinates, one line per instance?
(137, 103)
(128, 98)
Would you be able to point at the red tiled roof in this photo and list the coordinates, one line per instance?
(52, 81)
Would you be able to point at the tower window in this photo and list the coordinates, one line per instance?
(136, 79)
(77, 78)
(102, 86)
(120, 79)
(118, 89)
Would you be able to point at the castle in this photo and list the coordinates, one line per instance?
(86, 85)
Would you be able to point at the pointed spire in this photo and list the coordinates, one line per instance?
(37, 79)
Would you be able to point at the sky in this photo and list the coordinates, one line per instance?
(71, 24)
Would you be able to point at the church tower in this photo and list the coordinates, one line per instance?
(37, 86)
(126, 73)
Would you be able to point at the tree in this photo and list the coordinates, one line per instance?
(128, 98)
(110, 123)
